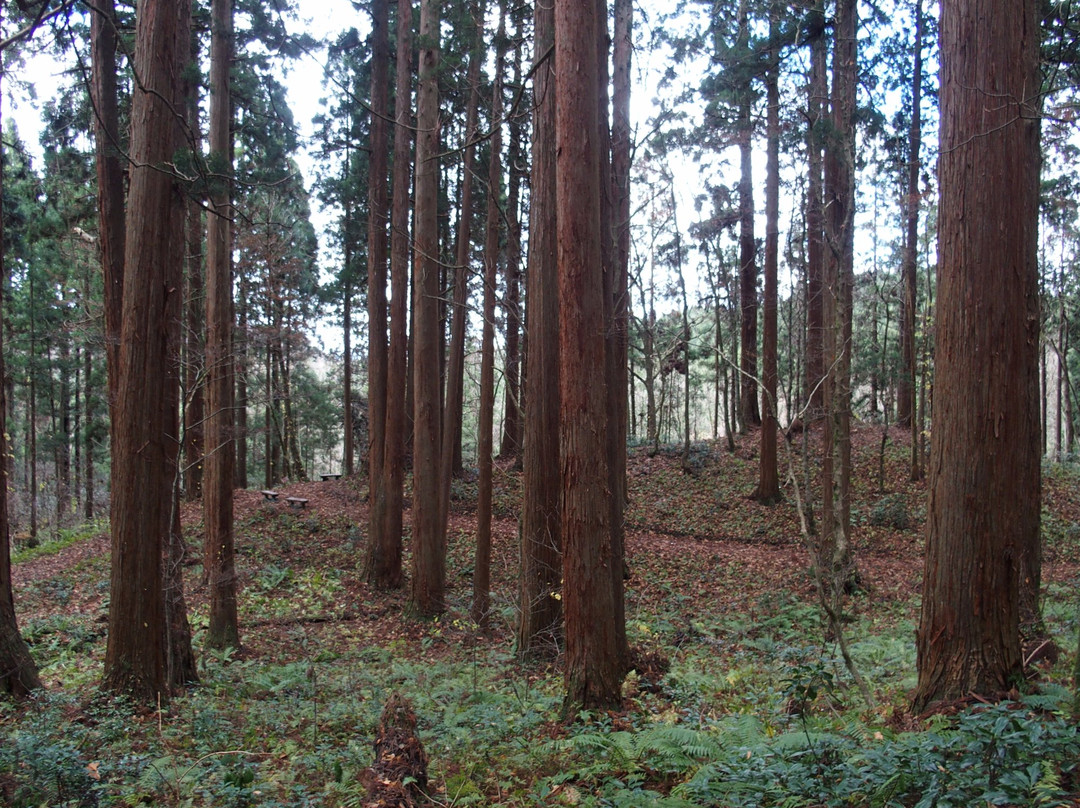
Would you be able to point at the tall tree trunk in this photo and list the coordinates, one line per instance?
(748, 382)
(455, 372)
(906, 392)
(618, 292)
(541, 539)
(194, 310)
(218, 550)
(593, 665)
(817, 104)
(768, 490)
(510, 444)
(110, 179)
(180, 667)
(89, 435)
(145, 440)
(383, 562)
(985, 488)
(348, 460)
(31, 424)
(749, 414)
(378, 217)
(485, 439)
(839, 278)
(429, 546)
(63, 439)
(18, 673)
(240, 351)
(291, 443)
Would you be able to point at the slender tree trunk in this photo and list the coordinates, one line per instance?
(481, 601)
(985, 484)
(906, 395)
(383, 562)
(817, 101)
(429, 546)
(18, 673)
(768, 490)
(146, 443)
(455, 372)
(218, 552)
(31, 426)
(90, 418)
(195, 312)
(510, 444)
(63, 444)
(110, 178)
(593, 665)
(348, 460)
(619, 295)
(180, 667)
(749, 414)
(839, 279)
(240, 351)
(541, 533)
(1066, 383)
(615, 368)
(748, 407)
(378, 245)
(378, 217)
(684, 333)
(291, 442)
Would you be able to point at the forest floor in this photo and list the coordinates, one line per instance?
(739, 697)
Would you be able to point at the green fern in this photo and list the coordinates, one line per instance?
(658, 748)
(1048, 790)
(742, 730)
(1051, 698)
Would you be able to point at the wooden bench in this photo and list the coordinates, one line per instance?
(269, 496)
(330, 477)
(296, 502)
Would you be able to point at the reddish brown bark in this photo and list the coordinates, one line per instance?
(110, 176)
(541, 544)
(148, 386)
(768, 490)
(429, 548)
(985, 485)
(455, 370)
(616, 225)
(593, 666)
(906, 390)
(485, 444)
(378, 217)
(510, 443)
(817, 99)
(749, 414)
(195, 311)
(219, 556)
(180, 667)
(383, 563)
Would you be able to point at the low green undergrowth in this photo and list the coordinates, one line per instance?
(1013, 753)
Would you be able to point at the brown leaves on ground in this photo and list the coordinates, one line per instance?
(697, 543)
(398, 777)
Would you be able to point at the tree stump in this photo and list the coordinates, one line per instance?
(398, 777)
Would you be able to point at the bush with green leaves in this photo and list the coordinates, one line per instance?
(892, 512)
